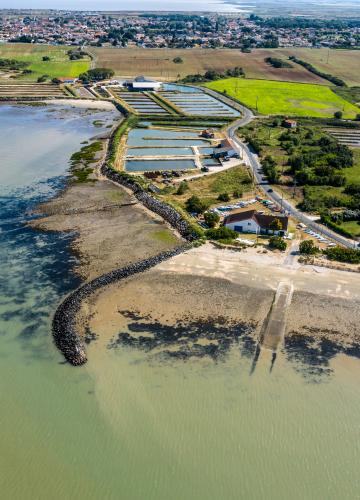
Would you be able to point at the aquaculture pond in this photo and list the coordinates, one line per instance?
(163, 137)
(154, 165)
(160, 152)
(199, 103)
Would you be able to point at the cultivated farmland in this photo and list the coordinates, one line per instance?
(58, 66)
(283, 98)
(342, 63)
(159, 63)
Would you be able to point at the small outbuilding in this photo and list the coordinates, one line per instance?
(289, 123)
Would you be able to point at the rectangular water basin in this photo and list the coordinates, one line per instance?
(158, 165)
(160, 152)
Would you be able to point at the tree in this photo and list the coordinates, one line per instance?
(196, 205)
(178, 60)
(277, 243)
(46, 58)
(211, 218)
(275, 225)
(338, 115)
(96, 74)
(307, 247)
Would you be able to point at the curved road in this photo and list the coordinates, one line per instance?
(255, 165)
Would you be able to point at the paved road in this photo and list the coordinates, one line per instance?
(255, 165)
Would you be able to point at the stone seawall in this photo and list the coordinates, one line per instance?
(64, 325)
(168, 213)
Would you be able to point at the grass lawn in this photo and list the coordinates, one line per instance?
(58, 66)
(352, 174)
(352, 227)
(284, 98)
(165, 236)
(210, 186)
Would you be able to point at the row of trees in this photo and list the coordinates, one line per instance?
(96, 75)
(212, 75)
(327, 76)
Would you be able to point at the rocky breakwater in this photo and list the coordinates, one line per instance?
(168, 213)
(64, 324)
(65, 333)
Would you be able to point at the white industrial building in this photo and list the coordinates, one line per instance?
(142, 83)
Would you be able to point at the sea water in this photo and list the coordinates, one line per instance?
(125, 427)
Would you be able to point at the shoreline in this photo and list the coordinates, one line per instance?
(65, 328)
(64, 323)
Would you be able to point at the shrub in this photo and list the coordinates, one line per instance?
(183, 187)
(221, 233)
(211, 218)
(277, 243)
(237, 193)
(196, 205)
(42, 78)
(46, 58)
(338, 115)
(224, 197)
(177, 60)
(340, 254)
(307, 247)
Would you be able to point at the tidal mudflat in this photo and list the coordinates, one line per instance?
(174, 402)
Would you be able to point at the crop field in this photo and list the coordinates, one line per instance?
(159, 63)
(58, 66)
(342, 63)
(283, 98)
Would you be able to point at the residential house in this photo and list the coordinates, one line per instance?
(251, 221)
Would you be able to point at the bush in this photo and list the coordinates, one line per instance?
(46, 58)
(224, 197)
(307, 247)
(277, 243)
(196, 205)
(338, 115)
(42, 78)
(211, 219)
(340, 254)
(221, 233)
(237, 193)
(183, 187)
(177, 60)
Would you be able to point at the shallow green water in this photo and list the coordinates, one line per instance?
(127, 426)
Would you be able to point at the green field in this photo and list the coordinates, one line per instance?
(283, 98)
(58, 66)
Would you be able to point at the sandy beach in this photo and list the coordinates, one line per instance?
(201, 296)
